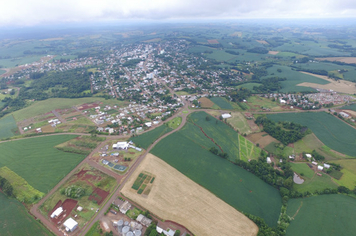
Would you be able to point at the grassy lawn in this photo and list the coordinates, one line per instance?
(15, 219)
(234, 185)
(175, 122)
(330, 130)
(38, 161)
(348, 178)
(303, 170)
(332, 214)
(7, 127)
(146, 139)
(239, 122)
(315, 183)
(259, 102)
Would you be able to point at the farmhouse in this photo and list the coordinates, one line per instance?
(148, 124)
(169, 232)
(315, 163)
(144, 220)
(125, 207)
(57, 212)
(70, 225)
(327, 166)
(226, 116)
(308, 155)
(269, 160)
(320, 168)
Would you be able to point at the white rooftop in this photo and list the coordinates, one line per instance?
(70, 224)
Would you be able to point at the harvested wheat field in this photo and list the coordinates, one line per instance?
(175, 197)
(350, 60)
(351, 112)
(262, 138)
(341, 86)
(273, 52)
(205, 102)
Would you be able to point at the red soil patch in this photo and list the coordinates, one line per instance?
(81, 173)
(91, 177)
(68, 205)
(87, 106)
(98, 195)
(213, 41)
(291, 145)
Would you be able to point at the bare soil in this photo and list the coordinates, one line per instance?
(68, 205)
(177, 198)
(261, 138)
(205, 102)
(98, 195)
(273, 52)
(213, 41)
(350, 60)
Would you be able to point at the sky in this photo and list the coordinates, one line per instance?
(37, 12)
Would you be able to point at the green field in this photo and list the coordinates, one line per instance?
(318, 183)
(249, 86)
(221, 102)
(331, 215)
(248, 150)
(146, 139)
(222, 134)
(303, 170)
(239, 122)
(348, 178)
(2, 72)
(51, 104)
(94, 230)
(37, 161)
(16, 221)
(257, 101)
(7, 127)
(293, 78)
(185, 150)
(350, 107)
(333, 132)
(175, 122)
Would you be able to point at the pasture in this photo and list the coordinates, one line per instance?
(221, 102)
(8, 127)
(332, 214)
(193, 206)
(210, 132)
(293, 79)
(15, 220)
(175, 122)
(38, 161)
(146, 139)
(315, 183)
(239, 122)
(333, 132)
(303, 170)
(234, 185)
(348, 178)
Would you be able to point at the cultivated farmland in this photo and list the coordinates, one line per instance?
(8, 127)
(16, 221)
(234, 185)
(330, 130)
(332, 214)
(205, 102)
(350, 107)
(247, 149)
(146, 139)
(175, 197)
(221, 102)
(38, 161)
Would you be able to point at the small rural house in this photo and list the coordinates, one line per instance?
(308, 155)
(327, 166)
(120, 145)
(57, 212)
(320, 168)
(269, 160)
(70, 225)
(143, 220)
(125, 207)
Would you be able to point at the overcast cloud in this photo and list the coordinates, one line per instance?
(33, 12)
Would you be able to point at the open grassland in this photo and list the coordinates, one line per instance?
(176, 197)
(38, 161)
(315, 183)
(294, 78)
(51, 104)
(332, 215)
(257, 102)
(239, 122)
(249, 86)
(303, 170)
(330, 130)
(262, 138)
(175, 122)
(7, 127)
(350, 107)
(348, 178)
(234, 185)
(22, 190)
(16, 221)
(341, 86)
(225, 138)
(221, 102)
(146, 139)
(247, 149)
